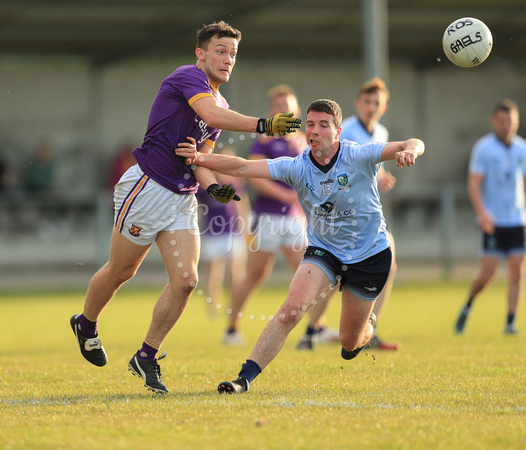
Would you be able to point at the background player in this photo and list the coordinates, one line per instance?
(496, 182)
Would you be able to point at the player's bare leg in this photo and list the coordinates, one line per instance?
(382, 300)
(355, 328)
(125, 258)
(180, 252)
(305, 289)
(215, 275)
(306, 286)
(259, 266)
(317, 311)
(487, 270)
(516, 273)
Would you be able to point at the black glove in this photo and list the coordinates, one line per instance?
(280, 124)
(223, 194)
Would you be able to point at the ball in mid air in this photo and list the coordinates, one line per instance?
(467, 42)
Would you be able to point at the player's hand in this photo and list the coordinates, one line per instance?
(187, 150)
(223, 194)
(280, 125)
(405, 158)
(386, 181)
(486, 223)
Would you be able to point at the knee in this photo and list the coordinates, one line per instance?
(185, 282)
(350, 341)
(119, 275)
(290, 314)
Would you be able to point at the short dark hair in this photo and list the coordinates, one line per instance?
(329, 107)
(216, 29)
(505, 105)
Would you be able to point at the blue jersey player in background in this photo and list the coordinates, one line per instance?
(496, 181)
(347, 237)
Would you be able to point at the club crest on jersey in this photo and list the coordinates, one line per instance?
(343, 182)
(135, 230)
(343, 179)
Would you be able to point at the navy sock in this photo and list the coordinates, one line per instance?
(250, 370)
(510, 319)
(87, 328)
(311, 331)
(147, 352)
(469, 303)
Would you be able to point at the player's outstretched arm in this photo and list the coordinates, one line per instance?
(226, 119)
(234, 165)
(205, 177)
(404, 152)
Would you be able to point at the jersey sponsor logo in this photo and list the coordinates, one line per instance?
(326, 211)
(203, 126)
(327, 207)
(135, 230)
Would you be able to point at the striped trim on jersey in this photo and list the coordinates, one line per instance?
(199, 96)
(128, 202)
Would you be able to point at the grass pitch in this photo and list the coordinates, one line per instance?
(439, 391)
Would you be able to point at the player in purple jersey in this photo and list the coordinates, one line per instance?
(348, 243)
(154, 199)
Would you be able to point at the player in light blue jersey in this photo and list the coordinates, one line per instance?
(496, 181)
(348, 241)
(371, 104)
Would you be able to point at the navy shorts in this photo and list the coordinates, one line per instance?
(504, 241)
(365, 279)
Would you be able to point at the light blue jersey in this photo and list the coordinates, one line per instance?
(353, 130)
(504, 169)
(342, 206)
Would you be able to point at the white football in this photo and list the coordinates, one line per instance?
(467, 42)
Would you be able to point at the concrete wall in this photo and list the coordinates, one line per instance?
(87, 114)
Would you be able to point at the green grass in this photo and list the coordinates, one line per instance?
(439, 391)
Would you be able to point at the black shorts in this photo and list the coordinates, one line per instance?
(504, 241)
(365, 279)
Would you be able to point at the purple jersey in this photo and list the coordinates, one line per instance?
(271, 148)
(171, 120)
